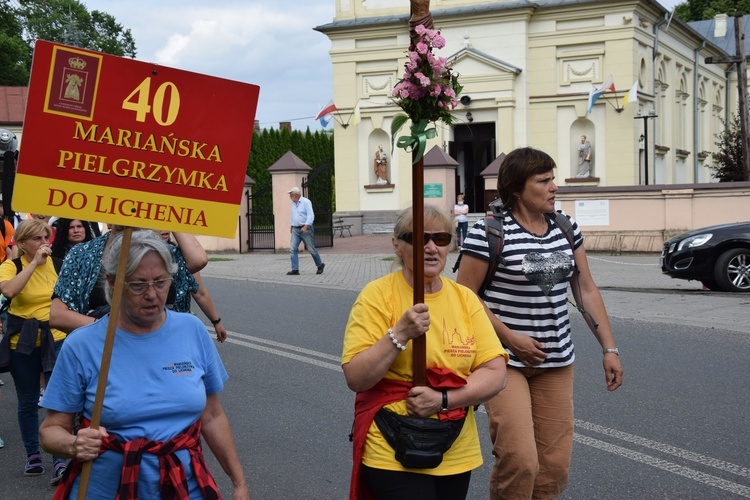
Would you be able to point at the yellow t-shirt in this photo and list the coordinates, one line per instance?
(35, 300)
(460, 338)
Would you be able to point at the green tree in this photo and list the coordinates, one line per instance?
(70, 22)
(698, 10)
(62, 21)
(729, 166)
(271, 144)
(15, 54)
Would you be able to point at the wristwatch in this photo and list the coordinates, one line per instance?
(613, 351)
(444, 406)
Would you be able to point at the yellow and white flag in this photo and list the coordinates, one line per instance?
(356, 118)
(632, 95)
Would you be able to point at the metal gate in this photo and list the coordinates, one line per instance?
(260, 219)
(318, 188)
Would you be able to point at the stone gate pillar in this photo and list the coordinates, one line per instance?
(440, 178)
(286, 173)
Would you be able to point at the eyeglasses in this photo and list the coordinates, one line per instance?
(441, 239)
(140, 287)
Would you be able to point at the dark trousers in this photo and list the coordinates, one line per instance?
(25, 370)
(397, 485)
(461, 230)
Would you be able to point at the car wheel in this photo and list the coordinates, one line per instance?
(733, 270)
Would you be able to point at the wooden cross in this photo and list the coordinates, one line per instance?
(740, 59)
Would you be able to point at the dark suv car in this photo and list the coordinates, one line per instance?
(718, 256)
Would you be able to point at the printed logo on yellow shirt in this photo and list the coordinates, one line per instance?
(458, 345)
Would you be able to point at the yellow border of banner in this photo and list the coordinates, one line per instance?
(75, 200)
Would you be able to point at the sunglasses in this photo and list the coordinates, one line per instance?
(441, 239)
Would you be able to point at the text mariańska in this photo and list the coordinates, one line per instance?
(154, 172)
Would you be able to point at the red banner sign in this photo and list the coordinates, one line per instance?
(115, 140)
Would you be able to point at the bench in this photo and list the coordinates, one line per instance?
(340, 227)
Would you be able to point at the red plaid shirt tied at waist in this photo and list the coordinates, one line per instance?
(172, 480)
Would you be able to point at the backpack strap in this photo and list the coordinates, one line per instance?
(565, 226)
(55, 262)
(19, 268)
(493, 227)
(19, 265)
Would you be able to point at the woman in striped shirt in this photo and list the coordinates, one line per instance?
(531, 421)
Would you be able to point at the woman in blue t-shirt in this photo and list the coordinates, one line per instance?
(161, 393)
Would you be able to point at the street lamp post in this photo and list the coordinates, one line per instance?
(651, 114)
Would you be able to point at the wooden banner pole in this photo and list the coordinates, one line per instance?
(419, 13)
(109, 342)
(419, 344)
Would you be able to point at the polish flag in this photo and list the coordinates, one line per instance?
(326, 110)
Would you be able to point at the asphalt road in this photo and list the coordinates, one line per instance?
(677, 429)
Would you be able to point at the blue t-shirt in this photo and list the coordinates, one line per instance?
(156, 387)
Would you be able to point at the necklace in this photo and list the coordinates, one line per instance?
(530, 229)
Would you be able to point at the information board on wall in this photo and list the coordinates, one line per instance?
(115, 140)
(433, 190)
(592, 212)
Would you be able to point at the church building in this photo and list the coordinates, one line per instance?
(527, 70)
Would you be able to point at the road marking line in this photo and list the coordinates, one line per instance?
(665, 448)
(708, 479)
(285, 346)
(257, 343)
(285, 354)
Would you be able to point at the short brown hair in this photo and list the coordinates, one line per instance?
(518, 166)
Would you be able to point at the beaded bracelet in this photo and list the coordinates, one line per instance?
(398, 344)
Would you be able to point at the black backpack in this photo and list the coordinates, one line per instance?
(493, 226)
(19, 267)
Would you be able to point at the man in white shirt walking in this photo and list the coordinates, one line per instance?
(301, 229)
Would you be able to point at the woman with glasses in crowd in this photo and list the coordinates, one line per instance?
(79, 297)
(465, 367)
(161, 393)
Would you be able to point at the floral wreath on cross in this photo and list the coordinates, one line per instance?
(427, 93)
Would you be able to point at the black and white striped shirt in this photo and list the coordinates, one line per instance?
(534, 265)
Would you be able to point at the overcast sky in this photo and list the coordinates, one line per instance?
(267, 43)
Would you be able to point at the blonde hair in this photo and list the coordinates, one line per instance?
(27, 229)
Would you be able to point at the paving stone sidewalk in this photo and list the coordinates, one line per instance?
(632, 285)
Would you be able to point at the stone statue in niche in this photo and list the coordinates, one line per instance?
(584, 158)
(380, 166)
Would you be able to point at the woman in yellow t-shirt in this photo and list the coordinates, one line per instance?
(29, 341)
(465, 367)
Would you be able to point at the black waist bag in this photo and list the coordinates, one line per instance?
(419, 442)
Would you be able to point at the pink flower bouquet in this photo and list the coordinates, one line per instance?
(427, 92)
